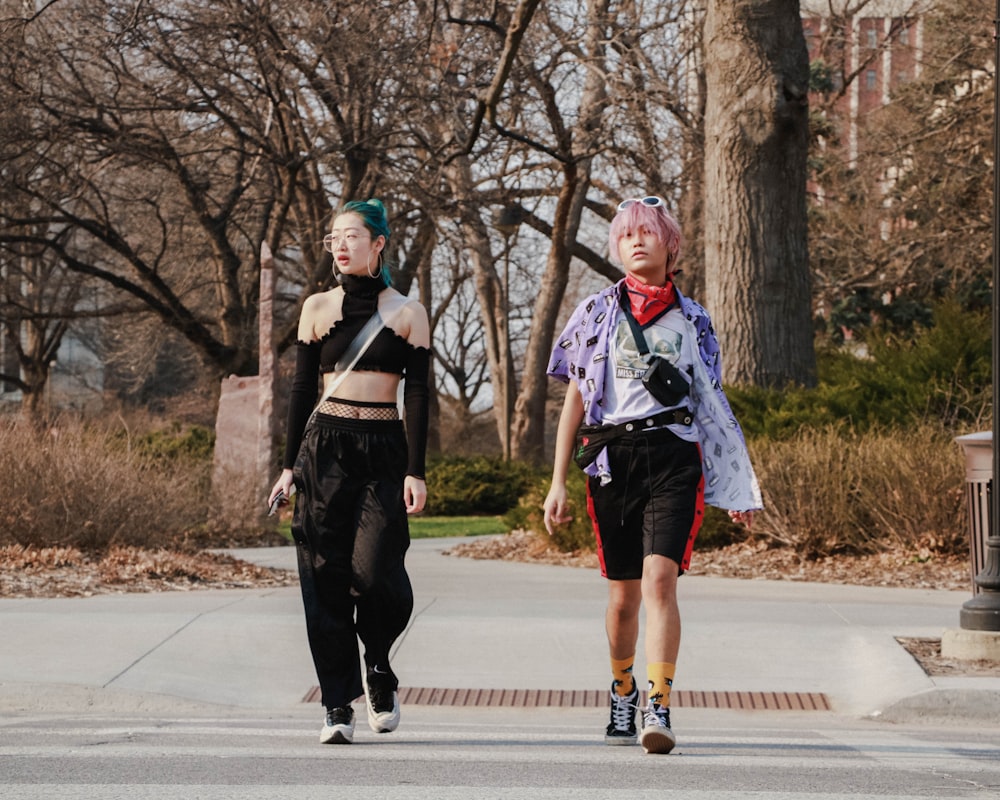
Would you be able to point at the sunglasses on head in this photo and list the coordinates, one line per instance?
(652, 201)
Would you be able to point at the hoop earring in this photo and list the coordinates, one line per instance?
(368, 267)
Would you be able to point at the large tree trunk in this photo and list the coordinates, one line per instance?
(756, 140)
(691, 208)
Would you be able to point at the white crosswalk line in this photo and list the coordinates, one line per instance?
(448, 755)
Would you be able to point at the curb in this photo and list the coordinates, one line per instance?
(959, 706)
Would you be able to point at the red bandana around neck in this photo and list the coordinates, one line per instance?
(649, 302)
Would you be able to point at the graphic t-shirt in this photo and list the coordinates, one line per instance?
(625, 396)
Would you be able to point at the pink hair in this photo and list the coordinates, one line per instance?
(655, 219)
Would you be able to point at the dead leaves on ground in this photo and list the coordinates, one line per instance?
(927, 653)
(68, 572)
(755, 561)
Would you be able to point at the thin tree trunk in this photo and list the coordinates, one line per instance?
(528, 427)
(489, 291)
(423, 248)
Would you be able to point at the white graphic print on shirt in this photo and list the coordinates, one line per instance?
(661, 340)
(625, 396)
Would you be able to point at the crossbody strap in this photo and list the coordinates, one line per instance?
(637, 334)
(360, 343)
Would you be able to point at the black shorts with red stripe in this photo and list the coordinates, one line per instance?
(654, 504)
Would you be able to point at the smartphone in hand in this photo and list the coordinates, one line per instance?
(279, 500)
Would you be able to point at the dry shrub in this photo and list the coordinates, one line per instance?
(237, 501)
(83, 485)
(831, 491)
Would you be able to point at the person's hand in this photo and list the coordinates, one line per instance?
(414, 494)
(746, 517)
(283, 484)
(555, 507)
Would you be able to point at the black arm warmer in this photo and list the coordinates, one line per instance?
(301, 397)
(415, 407)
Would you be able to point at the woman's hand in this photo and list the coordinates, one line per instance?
(555, 507)
(414, 494)
(746, 517)
(283, 484)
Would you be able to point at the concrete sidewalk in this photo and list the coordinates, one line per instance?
(484, 624)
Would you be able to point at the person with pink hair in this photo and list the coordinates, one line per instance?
(646, 418)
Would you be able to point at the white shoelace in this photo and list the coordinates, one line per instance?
(651, 718)
(621, 711)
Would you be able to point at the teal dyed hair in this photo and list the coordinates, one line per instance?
(372, 213)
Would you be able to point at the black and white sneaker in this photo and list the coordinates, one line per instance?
(621, 728)
(656, 735)
(382, 700)
(338, 727)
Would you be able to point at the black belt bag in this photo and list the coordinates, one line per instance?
(665, 382)
(591, 439)
(662, 379)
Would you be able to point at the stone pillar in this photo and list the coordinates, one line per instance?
(243, 468)
(267, 371)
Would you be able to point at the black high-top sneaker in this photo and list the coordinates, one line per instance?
(621, 728)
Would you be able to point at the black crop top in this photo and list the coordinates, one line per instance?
(389, 352)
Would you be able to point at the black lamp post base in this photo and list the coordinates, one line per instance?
(981, 613)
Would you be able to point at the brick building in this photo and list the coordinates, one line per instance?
(866, 55)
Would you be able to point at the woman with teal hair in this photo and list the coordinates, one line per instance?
(357, 469)
(372, 214)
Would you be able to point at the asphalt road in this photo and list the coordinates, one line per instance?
(203, 694)
(499, 753)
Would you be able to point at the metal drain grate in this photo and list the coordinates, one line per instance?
(594, 698)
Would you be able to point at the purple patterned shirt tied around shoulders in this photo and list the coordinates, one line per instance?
(581, 353)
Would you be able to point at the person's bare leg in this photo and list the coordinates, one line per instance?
(663, 616)
(622, 624)
(622, 617)
(663, 639)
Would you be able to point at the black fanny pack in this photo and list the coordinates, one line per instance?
(591, 439)
(665, 382)
(662, 379)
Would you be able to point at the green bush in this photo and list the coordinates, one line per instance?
(459, 486)
(195, 442)
(578, 534)
(717, 529)
(942, 374)
(173, 442)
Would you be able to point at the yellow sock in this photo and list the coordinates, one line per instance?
(621, 671)
(661, 680)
